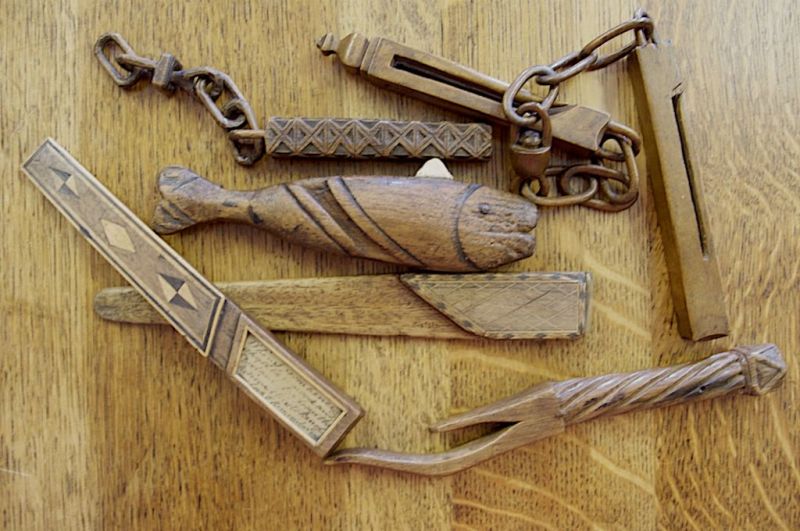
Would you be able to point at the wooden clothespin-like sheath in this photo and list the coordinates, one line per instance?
(549, 407)
(532, 305)
(678, 195)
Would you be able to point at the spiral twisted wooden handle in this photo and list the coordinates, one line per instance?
(545, 409)
(752, 369)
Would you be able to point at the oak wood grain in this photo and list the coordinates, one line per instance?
(103, 425)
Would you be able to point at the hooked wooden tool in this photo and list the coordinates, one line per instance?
(428, 223)
(678, 196)
(546, 409)
(531, 305)
(296, 395)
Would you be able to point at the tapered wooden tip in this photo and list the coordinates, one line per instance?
(350, 49)
(327, 43)
(764, 367)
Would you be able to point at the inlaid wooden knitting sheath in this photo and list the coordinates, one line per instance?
(678, 196)
(534, 305)
(376, 139)
(295, 394)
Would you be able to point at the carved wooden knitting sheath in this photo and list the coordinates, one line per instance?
(435, 79)
(424, 222)
(375, 139)
(531, 305)
(548, 408)
(295, 394)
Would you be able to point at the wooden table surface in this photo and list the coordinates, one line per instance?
(119, 426)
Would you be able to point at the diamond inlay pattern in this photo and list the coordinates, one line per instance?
(70, 185)
(176, 291)
(118, 236)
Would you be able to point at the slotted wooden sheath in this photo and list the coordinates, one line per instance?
(678, 196)
(435, 79)
(370, 139)
(495, 305)
(295, 394)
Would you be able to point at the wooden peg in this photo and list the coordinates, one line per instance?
(434, 168)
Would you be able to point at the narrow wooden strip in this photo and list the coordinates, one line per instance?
(369, 139)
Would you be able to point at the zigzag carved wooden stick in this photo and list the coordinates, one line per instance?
(372, 139)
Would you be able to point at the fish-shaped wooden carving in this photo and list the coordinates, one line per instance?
(427, 223)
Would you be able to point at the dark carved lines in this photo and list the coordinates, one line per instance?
(347, 201)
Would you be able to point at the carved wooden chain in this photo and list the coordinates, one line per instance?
(207, 84)
(592, 184)
(573, 172)
(292, 137)
(579, 177)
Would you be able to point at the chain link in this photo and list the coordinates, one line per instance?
(213, 88)
(584, 184)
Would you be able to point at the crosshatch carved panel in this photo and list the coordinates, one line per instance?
(364, 139)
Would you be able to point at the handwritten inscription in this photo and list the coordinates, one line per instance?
(292, 397)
